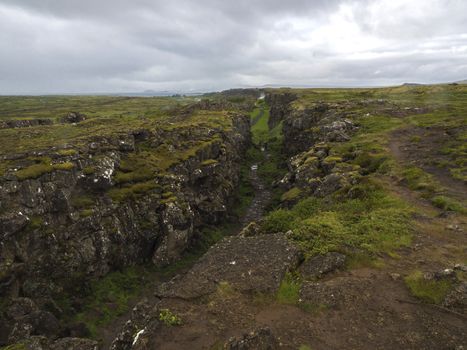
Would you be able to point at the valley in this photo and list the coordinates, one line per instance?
(246, 219)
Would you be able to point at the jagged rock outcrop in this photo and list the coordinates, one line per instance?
(309, 132)
(73, 117)
(279, 107)
(72, 214)
(24, 123)
(321, 122)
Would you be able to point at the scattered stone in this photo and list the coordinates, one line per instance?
(126, 143)
(252, 229)
(339, 292)
(144, 320)
(24, 123)
(457, 297)
(73, 117)
(261, 339)
(460, 267)
(321, 265)
(454, 227)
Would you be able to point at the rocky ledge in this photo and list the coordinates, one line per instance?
(70, 214)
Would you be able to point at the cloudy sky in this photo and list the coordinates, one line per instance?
(70, 46)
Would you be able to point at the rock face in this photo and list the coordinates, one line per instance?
(73, 117)
(279, 107)
(321, 123)
(24, 123)
(256, 263)
(73, 219)
(144, 320)
(308, 132)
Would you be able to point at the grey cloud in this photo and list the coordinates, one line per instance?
(58, 46)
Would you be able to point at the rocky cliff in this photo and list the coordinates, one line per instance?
(74, 213)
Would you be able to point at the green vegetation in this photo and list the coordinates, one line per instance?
(169, 318)
(35, 222)
(291, 194)
(43, 166)
(112, 295)
(67, 152)
(289, 290)
(448, 204)
(17, 346)
(109, 297)
(429, 290)
(82, 201)
(373, 222)
(417, 179)
(225, 290)
(304, 347)
(120, 194)
(209, 162)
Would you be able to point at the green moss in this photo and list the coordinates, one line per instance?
(86, 213)
(45, 166)
(67, 152)
(289, 290)
(131, 191)
(280, 220)
(431, 291)
(415, 139)
(109, 297)
(304, 347)
(67, 166)
(332, 159)
(209, 162)
(169, 318)
(225, 289)
(89, 170)
(83, 201)
(35, 222)
(448, 204)
(17, 346)
(417, 179)
(34, 171)
(291, 194)
(372, 222)
(166, 195)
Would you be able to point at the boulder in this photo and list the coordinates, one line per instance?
(256, 263)
(259, 339)
(321, 265)
(73, 117)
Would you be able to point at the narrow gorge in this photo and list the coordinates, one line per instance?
(246, 219)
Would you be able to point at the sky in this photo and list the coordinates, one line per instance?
(90, 46)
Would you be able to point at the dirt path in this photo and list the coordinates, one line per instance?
(422, 148)
(262, 198)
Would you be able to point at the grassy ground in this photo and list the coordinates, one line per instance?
(375, 220)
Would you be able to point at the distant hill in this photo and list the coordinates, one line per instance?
(412, 84)
(462, 81)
